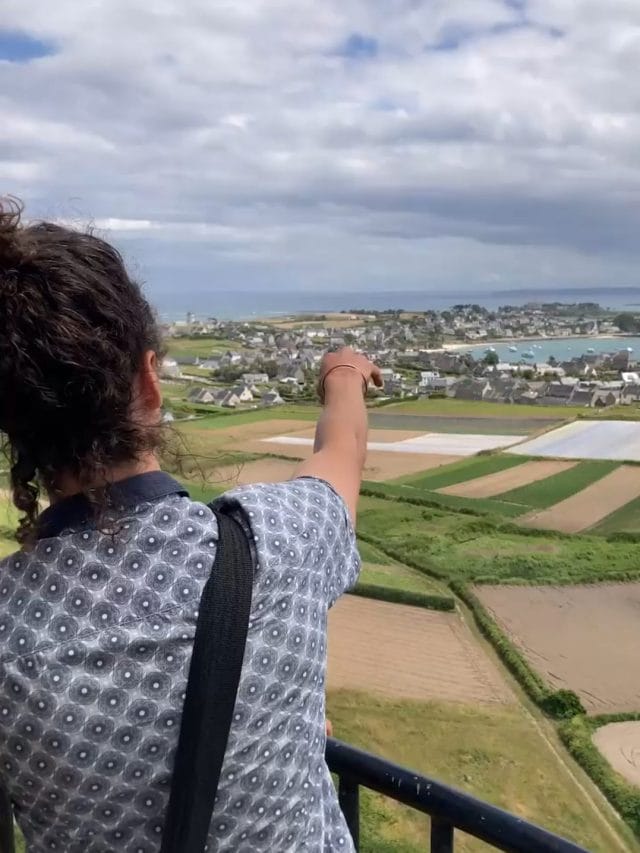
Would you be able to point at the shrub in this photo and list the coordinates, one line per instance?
(576, 734)
(624, 536)
(563, 705)
(405, 596)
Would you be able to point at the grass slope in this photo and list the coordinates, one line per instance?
(552, 490)
(495, 753)
(454, 546)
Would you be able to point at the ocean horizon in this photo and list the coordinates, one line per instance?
(251, 304)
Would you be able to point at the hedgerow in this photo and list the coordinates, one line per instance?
(405, 596)
(577, 736)
(559, 704)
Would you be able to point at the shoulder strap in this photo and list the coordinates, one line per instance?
(214, 674)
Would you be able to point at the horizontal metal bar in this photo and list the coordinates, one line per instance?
(488, 823)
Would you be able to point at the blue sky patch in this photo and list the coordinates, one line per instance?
(453, 37)
(20, 47)
(359, 46)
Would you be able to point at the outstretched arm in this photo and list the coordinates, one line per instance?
(341, 435)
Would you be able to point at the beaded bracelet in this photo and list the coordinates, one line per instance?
(321, 388)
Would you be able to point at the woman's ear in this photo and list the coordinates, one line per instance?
(149, 393)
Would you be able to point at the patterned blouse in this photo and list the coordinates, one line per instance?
(96, 633)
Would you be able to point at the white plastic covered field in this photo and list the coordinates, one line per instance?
(618, 440)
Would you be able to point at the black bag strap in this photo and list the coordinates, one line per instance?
(214, 674)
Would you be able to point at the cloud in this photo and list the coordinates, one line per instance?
(335, 145)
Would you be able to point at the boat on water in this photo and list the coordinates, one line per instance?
(629, 349)
(528, 354)
(513, 349)
(591, 350)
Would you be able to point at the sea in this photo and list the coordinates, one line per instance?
(241, 304)
(539, 351)
(246, 305)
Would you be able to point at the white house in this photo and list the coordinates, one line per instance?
(255, 378)
(169, 368)
(428, 377)
(201, 395)
(271, 398)
(390, 375)
(243, 393)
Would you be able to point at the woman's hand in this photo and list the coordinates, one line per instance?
(344, 364)
(340, 447)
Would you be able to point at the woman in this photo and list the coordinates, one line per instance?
(98, 608)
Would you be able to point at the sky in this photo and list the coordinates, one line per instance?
(341, 145)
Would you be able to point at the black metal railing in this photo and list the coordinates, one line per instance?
(448, 808)
(6, 822)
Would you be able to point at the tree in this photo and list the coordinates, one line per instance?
(627, 322)
(491, 358)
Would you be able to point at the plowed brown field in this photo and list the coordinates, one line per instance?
(408, 652)
(585, 638)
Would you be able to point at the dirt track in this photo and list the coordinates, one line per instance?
(379, 466)
(384, 435)
(591, 505)
(407, 652)
(504, 481)
(620, 745)
(585, 638)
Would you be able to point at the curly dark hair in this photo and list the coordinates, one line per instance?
(74, 328)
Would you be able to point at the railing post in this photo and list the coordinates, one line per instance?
(441, 836)
(7, 839)
(349, 798)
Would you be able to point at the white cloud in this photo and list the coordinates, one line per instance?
(240, 142)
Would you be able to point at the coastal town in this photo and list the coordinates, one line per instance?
(267, 362)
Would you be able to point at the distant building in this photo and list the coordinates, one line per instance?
(255, 378)
(201, 395)
(271, 398)
(169, 368)
(243, 393)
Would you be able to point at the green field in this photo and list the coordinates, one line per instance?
(455, 546)
(459, 472)
(495, 753)
(379, 570)
(199, 347)
(537, 495)
(552, 490)
(299, 412)
(477, 408)
(626, 520)
(477, 506)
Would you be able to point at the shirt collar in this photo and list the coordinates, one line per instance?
(76, 509)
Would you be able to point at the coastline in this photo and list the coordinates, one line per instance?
(456, 347)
